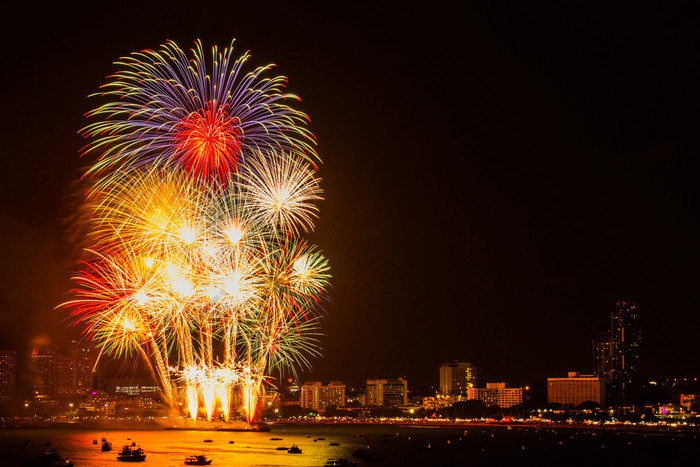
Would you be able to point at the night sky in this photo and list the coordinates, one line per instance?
(495, 178)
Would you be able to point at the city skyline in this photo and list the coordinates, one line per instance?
(496, 177)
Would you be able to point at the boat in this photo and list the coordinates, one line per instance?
(208, 440)
(49, 457)
(342, 462)
(94, 441)
(334, 444)
(230, 442)
(131, 455)
(294, 449)
(320, 439)
(366, 455)
(106, 446)
(275, 439)
(104, 440)
(282, 448)
(197, 460)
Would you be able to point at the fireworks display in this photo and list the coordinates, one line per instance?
(203, 184)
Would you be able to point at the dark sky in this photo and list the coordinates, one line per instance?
(495, 177)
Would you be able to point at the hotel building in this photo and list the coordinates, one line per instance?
(317, 397)
(497, 394)
(457, 378)
(387, 392)
(576, 389)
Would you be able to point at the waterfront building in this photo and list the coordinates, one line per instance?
(440, 401)
(64, 375)
(386, 392)
(497, 394)
(132, 386)
(687, 402)
(72, 373)
(457, 378)
(625, 339)
(576, 389)
(8, 373)
(601, 355)
(42, 375)
(616, 353)
(315, 396)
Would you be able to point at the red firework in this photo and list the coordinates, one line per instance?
(209, 142)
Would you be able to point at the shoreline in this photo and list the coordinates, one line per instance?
(262, 427)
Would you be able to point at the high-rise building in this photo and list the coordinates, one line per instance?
(73, 373)
(84, 365)
(616, 353)
(625, 339)
(317, 397)
(457, 378)
(42, 371)
(387, 392)
(576, 389)
(8, 373)
(497, 394)
(64, 375)
(601, 355)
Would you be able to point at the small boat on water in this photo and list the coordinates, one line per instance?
(294, 449)
(342, 462)
(230, 442)
(366, 455)
(275, 439)
(334, 444)
(49, 457)
(197, 460)
(282, 448)
(106, 446)
(94, 441)
(320, 439)
(208, 440)
(131, 455)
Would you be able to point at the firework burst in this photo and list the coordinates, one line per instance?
(206, 116)
(204, 181)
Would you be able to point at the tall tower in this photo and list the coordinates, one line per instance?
(625, 339)
(601, 355)
(457, 378)
(42, 368)
(8, 373)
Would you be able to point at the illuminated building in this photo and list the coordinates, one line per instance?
(687, 402)
(625, 338)
(616, 353)
(387, 392)
(601, 355)
(497, 394)
(72, 373)
(457, 378)
(440, 401)
(317, 397)
(132, 386)
(576, 389)
(84, 364)
(8, 373)
(64, 371)
(42, 373)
